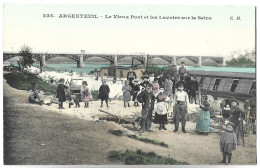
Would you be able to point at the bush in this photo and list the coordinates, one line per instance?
(155, 142)
(142, 158)
(241, 62)
(157, 70)
(94, 94)
(116, 132)
(23, 81)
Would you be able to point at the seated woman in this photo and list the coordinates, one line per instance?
(203, 120)
(35, 98)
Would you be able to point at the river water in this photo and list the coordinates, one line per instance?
(68, 67)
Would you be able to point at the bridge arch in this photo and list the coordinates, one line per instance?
(71, 56)
(140, 58)
(169, 59)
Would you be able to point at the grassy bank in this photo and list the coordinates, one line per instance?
(142, 158)
(23, 81)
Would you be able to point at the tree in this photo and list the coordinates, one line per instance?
(26, 57)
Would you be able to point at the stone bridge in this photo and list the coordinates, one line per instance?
(144, 59)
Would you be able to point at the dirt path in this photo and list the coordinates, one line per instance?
(34, 135)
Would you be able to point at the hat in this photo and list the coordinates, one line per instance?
(135, 81)
(146, 77)
(233, 100)
(231, 124)
(180, 86)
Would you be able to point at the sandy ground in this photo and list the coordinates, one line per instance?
(43, 135)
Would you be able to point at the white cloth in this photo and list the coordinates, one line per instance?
(161, 108)
(182, 96)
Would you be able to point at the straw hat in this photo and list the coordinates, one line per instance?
(135, 81)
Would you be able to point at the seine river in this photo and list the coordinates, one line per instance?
(68, 67)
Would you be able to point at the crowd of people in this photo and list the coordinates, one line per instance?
(156, 95)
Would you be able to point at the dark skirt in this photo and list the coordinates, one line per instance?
(160, 119)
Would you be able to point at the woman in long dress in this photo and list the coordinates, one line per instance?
(203, 120)
(126, 93)
(85, 94)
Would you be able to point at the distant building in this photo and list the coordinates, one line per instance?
(120, 71)
(95, 73)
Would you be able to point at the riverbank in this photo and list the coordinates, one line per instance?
(44, 135)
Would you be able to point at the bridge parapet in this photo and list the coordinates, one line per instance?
(113, 58)
(217, 59)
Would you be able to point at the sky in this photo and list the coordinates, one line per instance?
(220, 36)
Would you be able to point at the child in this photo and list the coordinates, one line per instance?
(60, 93)
(135, 89)
(227, 107)
(85, 94)
(75, 98)
(126, 93)
(155, 86)
(161, 109)
(228, 142)
(147, 100)
(103, 93)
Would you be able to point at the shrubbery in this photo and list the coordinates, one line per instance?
(241, 62)
(23, 81)
(142, 158)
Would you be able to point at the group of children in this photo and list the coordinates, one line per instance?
(153, 98)
(85, 95)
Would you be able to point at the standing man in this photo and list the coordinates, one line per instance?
(179, 82)
(147, 100)
(161, 80)
(173, 69)
(237, 117)
(181, 101)
(182, 70)
(193, 89)
(131, 76)
(168, 87)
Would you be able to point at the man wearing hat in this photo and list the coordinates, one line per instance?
(237, 116)
(182, 70)
(131, 75)
(147, 100)
(181, 100)
(145, 81)
(173, 69)
(180, 81)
